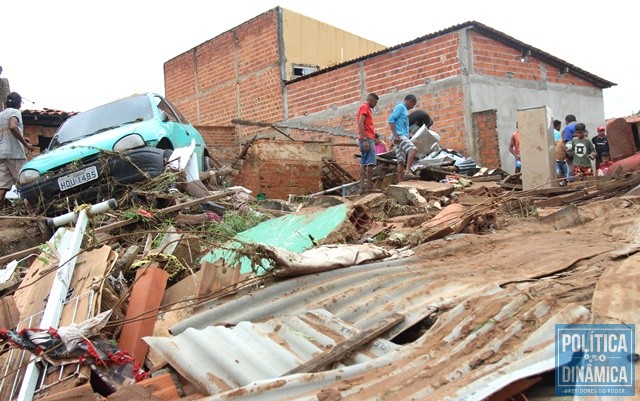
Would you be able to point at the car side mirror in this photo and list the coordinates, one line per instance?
(164, 116)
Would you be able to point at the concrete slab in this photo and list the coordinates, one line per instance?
(406, 195)
(428, 188)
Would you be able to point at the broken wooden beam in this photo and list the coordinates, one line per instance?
(343, 348)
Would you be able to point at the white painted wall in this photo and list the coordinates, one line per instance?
(509, 95)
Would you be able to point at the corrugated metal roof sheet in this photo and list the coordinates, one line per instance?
(415, 286)
(498, 298)
(218, 358)
(474, 349)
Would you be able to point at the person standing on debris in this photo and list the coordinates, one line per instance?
(399, 126)
(601, 143)
(366, 141)
(556, 130)
(562, 168)
(12, 144)
(568, 133)
(514, 148)
(380, 146)
(583, 153)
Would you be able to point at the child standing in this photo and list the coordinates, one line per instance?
(583, 153)
(380, 146)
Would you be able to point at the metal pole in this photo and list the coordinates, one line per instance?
(59, 289)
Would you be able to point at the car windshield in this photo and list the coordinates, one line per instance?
(103, 118)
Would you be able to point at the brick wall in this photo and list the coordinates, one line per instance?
(491, 57)
(386, 74)
(279, 168)
(179, 84)
(391, 76)
(222, 142)
(485, 126)
(447, 110)
(236, 74)
(33, 131)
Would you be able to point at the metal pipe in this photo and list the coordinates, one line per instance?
(72, 216)
(326, 191)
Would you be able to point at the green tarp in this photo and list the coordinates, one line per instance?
(291, 232)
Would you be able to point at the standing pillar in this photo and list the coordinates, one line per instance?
(537, 147)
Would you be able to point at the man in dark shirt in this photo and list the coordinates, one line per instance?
(601, 143)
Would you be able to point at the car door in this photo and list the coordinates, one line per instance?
(179, 133)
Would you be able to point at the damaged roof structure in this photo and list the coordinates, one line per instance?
(447, 287)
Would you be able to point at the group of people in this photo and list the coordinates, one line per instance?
(574, 152)
(370, 144)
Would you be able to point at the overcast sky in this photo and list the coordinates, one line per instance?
(74, 55)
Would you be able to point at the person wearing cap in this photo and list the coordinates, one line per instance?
(12, 144)
(601, 143)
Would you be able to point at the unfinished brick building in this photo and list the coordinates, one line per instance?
(470, 78)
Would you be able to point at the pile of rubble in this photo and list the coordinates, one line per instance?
(425, 289)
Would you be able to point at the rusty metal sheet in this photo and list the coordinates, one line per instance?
(496, 298)
(467, 355)
(440, 274)
(218, 358)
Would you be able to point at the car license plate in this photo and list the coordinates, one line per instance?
(78, 178)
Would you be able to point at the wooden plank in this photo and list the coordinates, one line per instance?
(560, 200)
(91, 268)
(345, 347)
(80, 393)
(217, 277)
(9, 315)
(32, 293)
(166, 210)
